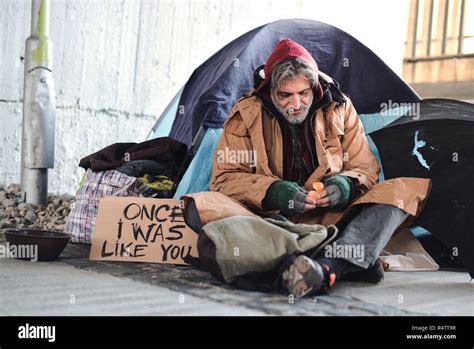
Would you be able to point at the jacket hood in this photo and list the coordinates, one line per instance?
(284, 50)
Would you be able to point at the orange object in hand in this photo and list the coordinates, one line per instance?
(318, 187)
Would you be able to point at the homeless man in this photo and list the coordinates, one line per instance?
(302, 130)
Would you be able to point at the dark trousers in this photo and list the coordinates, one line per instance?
(362, 239)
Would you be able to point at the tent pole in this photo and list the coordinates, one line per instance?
(39, 108)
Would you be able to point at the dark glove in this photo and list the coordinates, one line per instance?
(286, 196)
(340, 190)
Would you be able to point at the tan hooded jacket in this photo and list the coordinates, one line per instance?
(249, 158)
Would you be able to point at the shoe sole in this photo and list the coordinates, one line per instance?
(302, 277)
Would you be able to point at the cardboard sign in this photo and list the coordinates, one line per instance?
(137, 229)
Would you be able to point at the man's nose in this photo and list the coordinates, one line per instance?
(295, 101)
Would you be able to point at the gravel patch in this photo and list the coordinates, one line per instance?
(16, 213)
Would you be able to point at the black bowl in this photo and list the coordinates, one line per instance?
(49, 243)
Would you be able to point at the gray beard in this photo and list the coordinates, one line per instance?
(287, 113)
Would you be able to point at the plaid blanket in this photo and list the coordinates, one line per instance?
(81, 221)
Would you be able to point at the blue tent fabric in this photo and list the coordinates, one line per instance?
(198, 175)
(377, 121)
(166, 121)
(216, 85)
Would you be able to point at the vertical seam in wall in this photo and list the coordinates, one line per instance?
(172, 39)
(120, 56)
(137, 48)
(83, 53)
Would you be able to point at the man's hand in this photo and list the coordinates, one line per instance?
(288, 197)
(301, 202)
(323, 200)
(291, 199)
(340, 190)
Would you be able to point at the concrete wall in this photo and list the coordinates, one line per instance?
(118, 63)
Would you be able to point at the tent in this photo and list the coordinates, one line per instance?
(436, 142)
(196, 115)
(214, 87)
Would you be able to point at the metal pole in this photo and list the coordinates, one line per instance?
(39, 108)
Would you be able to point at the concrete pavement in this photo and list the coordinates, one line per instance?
(74, 285)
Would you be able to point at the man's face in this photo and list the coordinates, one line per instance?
(293, 99)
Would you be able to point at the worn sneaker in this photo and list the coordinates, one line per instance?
(303, 276)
